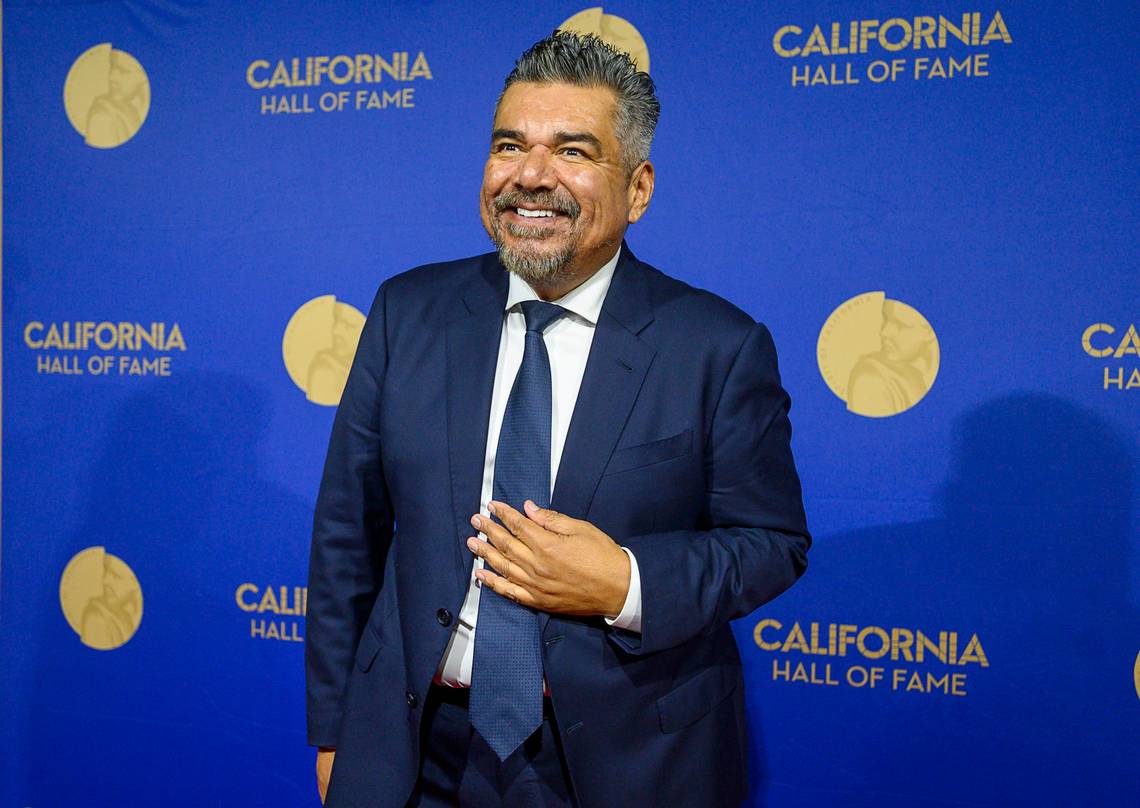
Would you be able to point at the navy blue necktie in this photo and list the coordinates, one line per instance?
(506, 673)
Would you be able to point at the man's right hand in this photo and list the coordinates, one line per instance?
(325, 755)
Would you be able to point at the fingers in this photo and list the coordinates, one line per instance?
(508, 589)
(514, 546)
(500, 562)
(519, 526)
(325, 756)
(547, 519)
(530, 530)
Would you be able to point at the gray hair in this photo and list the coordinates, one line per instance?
(585, 60)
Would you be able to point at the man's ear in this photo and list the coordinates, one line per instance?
(640, 190)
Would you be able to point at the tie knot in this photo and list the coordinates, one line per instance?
(540, 314)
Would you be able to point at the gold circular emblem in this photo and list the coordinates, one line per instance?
(878, 355)
(1136, 675)
(613, 30)
(107, 96)
(319, 345)
(101, 599)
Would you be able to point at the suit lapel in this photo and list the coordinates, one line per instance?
(618, 362)
(472, 352)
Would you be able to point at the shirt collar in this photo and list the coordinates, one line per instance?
(585, 300)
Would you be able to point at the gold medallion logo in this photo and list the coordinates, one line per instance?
(319, 345)
(878, 355)
(101, 599)
(107, 96)
(1136, 675)
(613, 30)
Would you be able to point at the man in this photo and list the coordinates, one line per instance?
(896, 377)
(112, 618)
(328, 370)
(582, 655)
(117, 114)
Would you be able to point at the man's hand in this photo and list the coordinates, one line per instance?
(325, 755)
(550, 561)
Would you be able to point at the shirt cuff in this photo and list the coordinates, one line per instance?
(629, 618)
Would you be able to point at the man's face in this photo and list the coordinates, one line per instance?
(905, 337)
(116, 587)
(342, 334)
(556, 199)
(124, 81)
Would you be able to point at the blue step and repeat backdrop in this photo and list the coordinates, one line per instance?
(933, 205)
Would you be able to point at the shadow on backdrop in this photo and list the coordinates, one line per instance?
(1033, 555)
(191, 710)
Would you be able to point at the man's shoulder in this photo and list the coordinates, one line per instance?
(676, 302)
(441, 276)
(432, 294)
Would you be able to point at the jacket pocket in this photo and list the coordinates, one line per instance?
(372, 638)
(693, 699)
(367, 648)
(646, 454)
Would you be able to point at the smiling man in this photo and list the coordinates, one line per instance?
(555, 475)
(558, 188)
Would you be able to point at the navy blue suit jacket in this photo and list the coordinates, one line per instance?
(678, 449)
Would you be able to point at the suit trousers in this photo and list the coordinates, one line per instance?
(459, 770)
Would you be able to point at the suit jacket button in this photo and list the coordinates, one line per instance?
(443, 617)
(412, 700)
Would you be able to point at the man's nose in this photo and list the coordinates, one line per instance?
(537, 170)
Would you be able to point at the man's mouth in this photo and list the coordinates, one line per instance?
(521, 205)
(535, 222)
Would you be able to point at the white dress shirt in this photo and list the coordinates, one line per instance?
(568, 343)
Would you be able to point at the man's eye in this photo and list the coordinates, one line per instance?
(508, 147)
(572, 152)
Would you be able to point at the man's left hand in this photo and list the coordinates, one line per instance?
(551, 562)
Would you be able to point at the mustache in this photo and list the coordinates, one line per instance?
(538, 199)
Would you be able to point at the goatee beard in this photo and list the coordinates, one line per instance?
(537, 269)
(534, 267)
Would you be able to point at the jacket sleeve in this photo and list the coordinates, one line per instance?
(352, 531)
(754, 538)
